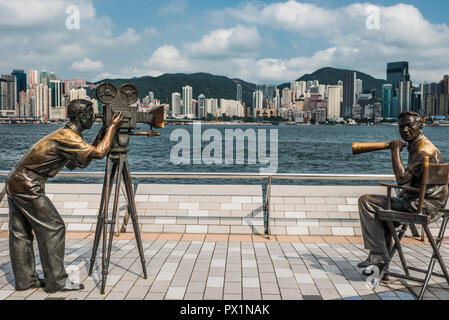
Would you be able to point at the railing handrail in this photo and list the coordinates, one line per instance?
(236, 175)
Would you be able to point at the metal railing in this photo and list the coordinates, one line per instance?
(269, 177)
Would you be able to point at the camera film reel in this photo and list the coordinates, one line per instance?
(106, 93)
(128, 94)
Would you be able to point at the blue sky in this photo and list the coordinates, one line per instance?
(257, 41)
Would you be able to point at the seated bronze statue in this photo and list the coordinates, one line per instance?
(31, 211)
(376, 234)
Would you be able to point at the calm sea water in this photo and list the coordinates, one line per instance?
(301, 149)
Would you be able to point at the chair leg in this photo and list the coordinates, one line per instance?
(437, 256)
(414, 231)
(397, 243)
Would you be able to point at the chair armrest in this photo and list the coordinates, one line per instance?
(400, 187)
(403, 217)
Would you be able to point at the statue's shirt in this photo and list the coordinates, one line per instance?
(53, 152)
(436, 195)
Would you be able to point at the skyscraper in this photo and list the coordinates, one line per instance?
(257, 99)
(176, 104)
(7, 95)
(56, 93)
(43, 78)
(239, 92)
(349, 93)
(387, 96)
(187, 100)
(359, 87)
(34, 78)
(286, 96)
(201, 106)
(334, 102)
(399, 78)
(21, 82)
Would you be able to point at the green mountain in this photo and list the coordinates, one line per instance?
(332, 75)
(213, 86)
(202, 83)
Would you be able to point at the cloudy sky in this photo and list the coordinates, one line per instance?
(257, 41)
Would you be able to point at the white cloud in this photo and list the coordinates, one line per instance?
(233, 42)
(87, 65)
(167, 59)
(404, 34)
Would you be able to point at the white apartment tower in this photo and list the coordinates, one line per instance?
(187, 100)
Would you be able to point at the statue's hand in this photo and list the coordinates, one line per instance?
(396, 145)
(117, 119)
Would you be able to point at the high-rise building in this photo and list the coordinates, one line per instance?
(21, 82)
(257, 99)
(43, 101)
(8, 95)
(358, 86)
(416, 103)
(239, 92)
(44, 78)
(176, 104)
(151, 96)
(52, 76)
(399, 77)
(387, 100)
(286, 97)
(431, 101)
(444, 95)
(187, 100)
(34, 78)
(349, 93)
(201, 106)
(56, 93)
(333, 102)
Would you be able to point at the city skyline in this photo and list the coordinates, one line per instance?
(260, 42)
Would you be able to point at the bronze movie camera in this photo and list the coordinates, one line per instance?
(120, 100)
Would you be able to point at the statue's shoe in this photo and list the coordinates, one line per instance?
(67, 288)
(36, 284)
(364, 264)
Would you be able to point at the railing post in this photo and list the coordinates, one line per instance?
(267, 208)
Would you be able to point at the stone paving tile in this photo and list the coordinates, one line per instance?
(188, 267)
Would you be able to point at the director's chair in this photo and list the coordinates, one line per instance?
(433, 174)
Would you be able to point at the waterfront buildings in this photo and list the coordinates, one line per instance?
(349, 93)
(201, 106)
(398, 76)
(187, 103)
(176, 108)
(239, 93)
(7, 95)
(334, 101)
(258, 99)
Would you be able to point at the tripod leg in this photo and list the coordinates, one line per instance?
(108, 180)
(133, 212)
(105, 218)
(112, 222)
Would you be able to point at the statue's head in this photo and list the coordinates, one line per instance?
(80, 111)
(411, 125)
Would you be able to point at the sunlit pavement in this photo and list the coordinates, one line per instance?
(203, 267)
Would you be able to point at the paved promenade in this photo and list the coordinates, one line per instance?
(207, 266)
